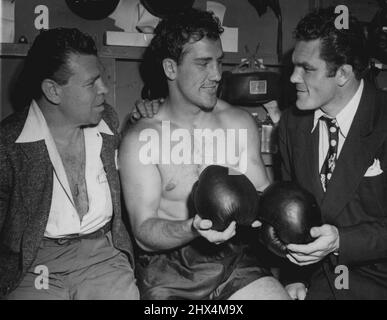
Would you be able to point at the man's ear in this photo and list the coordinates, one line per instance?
(344, 74)
(51, 91)
(170, 68)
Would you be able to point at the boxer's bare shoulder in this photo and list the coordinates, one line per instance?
(136, 135)
(232, 117)
(133, 130)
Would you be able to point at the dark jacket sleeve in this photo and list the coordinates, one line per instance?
(5, 183)
(363, 243)
(367, 241)
(290, 272)
(283, 143)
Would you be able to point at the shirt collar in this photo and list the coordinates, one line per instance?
(35, 128)
(104, 128)
(345, 117)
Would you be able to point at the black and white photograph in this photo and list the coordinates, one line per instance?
(210, 152)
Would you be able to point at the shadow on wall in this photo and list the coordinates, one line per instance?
(288, 95)
(152, 74)
(19, 93)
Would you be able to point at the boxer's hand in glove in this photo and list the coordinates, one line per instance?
(203, 228)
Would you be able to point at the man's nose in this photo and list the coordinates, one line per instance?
(296, 76)
(102, 89)
(216, 72)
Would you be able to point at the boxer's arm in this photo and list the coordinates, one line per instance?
(256, 170)
(141, 187)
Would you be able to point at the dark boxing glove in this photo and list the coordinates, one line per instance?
(222, 196)
(287, 213)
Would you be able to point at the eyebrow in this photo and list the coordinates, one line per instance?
(207, 59)
(304, 65)
(93, 79)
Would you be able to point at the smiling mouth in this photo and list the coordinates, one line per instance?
(100, 107)
(211, 88)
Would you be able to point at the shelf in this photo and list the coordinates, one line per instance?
(115, 52)
(121, 52)
(125, 53)
(13, 49)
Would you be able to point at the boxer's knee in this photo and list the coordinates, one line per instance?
(266, 288)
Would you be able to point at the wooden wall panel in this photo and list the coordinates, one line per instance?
(121, 74)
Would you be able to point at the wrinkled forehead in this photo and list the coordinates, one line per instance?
(307, 52)
(84, 66)
(204, 48)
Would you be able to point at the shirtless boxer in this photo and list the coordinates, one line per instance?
(180, 256)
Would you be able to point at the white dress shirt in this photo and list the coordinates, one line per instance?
(63, 218)
(344, 120)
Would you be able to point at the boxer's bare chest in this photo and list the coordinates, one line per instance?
(187, 157)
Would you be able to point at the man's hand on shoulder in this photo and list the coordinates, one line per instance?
(145, 109)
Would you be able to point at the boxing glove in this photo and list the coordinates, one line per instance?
(222, 196)
(270, 239)
(287, 213)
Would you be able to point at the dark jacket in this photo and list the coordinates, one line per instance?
(356, 204)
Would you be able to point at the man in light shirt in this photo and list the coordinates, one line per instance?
(62, 236)
(334, 144)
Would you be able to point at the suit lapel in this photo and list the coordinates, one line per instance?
(356, 156)
(306, 154)
(36, 194)
(108, 154)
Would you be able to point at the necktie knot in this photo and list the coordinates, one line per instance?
(331, 122)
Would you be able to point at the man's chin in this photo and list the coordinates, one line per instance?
(208, 106)
(304, 105)
(96, 120)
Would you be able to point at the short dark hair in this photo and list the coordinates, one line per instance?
(338, 46)
(170, 35)
(48, 56)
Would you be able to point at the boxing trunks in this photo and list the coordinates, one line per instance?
(199, 270)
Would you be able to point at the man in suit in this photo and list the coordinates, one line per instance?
(61, 232)
(334, 144)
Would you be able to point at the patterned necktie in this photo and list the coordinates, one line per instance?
(330, 160)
